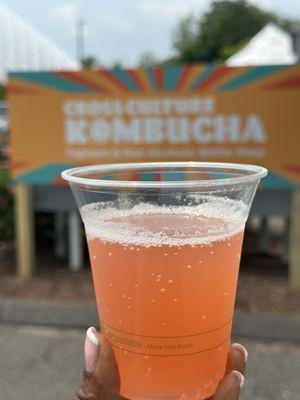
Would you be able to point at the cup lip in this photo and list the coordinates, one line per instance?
(72, 175)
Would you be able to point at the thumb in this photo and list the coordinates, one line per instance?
(230, 386)
(91, 350)
(107, 372)
(101, 378)
(89, 386)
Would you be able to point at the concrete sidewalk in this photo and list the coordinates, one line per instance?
(45, 363)
(82, 315)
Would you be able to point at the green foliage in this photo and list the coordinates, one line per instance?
(89, 62)
(221, 31)
(2, 92)
(147, 59)
(6, 205)
(6, 197)
(185, 40)
(116, 64)
(228, 51)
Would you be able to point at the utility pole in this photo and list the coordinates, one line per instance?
(80, 44)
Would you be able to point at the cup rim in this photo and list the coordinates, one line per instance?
(76, 175)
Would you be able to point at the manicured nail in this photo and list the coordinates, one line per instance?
(242, 349)
(90, 333)
(91, 350)
(240, 378)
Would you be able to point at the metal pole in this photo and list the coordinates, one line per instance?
(60, 247)
(80, 45)
(75, 241)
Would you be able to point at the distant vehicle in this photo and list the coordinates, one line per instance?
(3, 117)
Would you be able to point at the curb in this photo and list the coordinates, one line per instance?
(48, 313)
(267, 327)
(83, 315)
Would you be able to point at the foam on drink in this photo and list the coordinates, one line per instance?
(214, 219)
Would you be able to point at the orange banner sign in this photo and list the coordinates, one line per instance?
(203, 113)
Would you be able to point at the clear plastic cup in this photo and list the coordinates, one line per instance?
(165, 243)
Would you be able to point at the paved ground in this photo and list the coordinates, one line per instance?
(45, 364)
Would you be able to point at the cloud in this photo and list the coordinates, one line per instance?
(264, 4)
(172, 8)
(65, 14)
(180, 8)
(114, 22)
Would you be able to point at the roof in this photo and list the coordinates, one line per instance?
(270, 46)
(22, 47)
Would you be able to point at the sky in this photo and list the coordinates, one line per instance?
(121, 30)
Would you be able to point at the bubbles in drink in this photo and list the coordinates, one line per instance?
(225, 293)
(109, 254)
(110, 284)
(94, 257)
(171, 241)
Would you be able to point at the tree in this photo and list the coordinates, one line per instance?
(116, 64)
(221, 31)
(147, 59)
(89, 62)
(2, 92)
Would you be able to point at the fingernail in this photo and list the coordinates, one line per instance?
(90, 333)
(242, 349)
(240, 378)
(91, 350)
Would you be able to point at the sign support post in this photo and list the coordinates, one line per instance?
(294, 267)
(24, 231)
